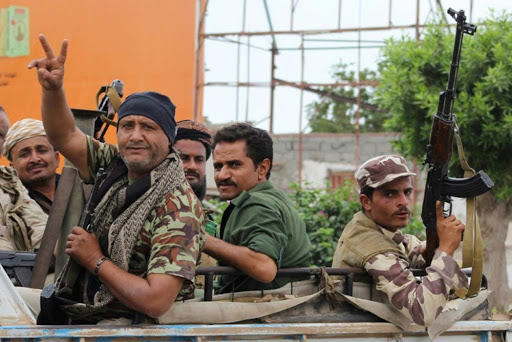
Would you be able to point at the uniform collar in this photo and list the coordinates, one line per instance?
(397, 236)
(266, 185)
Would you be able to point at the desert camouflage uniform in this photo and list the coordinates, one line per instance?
(388, 256)
(22, 221)
(173, 234)
(422, 301)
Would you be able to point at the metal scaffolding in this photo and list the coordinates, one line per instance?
(306, 37)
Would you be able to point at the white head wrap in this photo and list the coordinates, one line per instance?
(21, 130)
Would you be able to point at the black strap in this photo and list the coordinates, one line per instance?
(225, 218)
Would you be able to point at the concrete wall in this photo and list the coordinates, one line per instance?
(322, 153)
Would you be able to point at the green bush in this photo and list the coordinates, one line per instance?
(326, 212)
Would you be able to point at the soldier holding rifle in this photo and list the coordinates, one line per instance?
(373, 241)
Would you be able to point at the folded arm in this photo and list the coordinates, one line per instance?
(153, 296)
(421, 301)
(256, 265)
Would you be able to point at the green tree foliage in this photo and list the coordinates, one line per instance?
(330, 116)
(413, 73)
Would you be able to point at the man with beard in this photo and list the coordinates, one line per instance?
(22, 221)
(145, 233)
(193, 144)
(372, 240)
(34, 159)
(260, 231)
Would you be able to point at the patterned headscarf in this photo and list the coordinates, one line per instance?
(382, 170)
(21, 130)
(192, 130)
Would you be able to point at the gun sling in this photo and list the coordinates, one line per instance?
(472, 250)
(52, 229)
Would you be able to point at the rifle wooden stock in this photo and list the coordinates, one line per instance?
(440, 154)
(441, 138)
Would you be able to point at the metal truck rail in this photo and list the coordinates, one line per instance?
(461, 331)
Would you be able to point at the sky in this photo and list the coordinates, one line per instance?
(223, 104)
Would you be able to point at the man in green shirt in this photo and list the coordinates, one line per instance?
(260, 231)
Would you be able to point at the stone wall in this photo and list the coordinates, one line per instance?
(322, 153)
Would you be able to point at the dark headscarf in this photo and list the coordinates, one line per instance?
(154, 106)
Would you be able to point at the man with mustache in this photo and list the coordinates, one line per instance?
(193, 144)
(260, 231)
(22, 221)
(136, 254)
(34, 159)
(372, 240)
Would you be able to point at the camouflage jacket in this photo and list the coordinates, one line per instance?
(171, 237)
(422, 301)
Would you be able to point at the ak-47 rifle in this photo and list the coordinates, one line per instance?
(439, 186)
(18, 265)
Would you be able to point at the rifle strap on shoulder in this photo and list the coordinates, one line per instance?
(472, 250)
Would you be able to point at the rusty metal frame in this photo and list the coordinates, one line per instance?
(274, 50)
(349, 274)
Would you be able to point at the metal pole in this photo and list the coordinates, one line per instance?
(317, 32)
(272, 89)
(248, 78)
(292, 12)
(237, 102)
(199, 58)
(471, 11)
(272, 67)
(390, 22)
(417, 26)
(300, 108)
(339, 14)
(358, 111)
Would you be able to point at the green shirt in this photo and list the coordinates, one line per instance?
(264, 220)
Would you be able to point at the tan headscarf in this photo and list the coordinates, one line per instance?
(21, 130)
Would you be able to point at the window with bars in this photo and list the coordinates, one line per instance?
(338, 177)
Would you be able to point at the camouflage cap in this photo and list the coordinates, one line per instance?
(381, 170)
